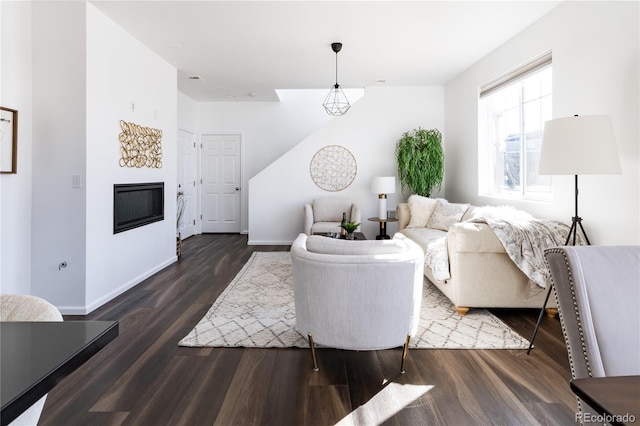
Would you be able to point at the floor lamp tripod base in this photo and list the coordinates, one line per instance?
(576, 222)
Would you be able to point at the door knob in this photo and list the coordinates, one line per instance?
(237, 188)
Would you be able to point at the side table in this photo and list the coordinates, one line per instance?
(383, 227)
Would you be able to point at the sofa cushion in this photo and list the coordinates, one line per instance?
(423, 236)
(330, 209)
(446, 214)
(420, 209)
(326, 245)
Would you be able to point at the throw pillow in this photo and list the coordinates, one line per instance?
(420, 209)
(446, 214)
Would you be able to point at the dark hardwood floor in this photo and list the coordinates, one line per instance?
(144, 378)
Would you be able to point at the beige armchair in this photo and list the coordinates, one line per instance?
(597, 290)
(325, 214)
(357, 295)
(22, 307)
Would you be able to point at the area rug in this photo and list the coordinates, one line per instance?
(257, 310)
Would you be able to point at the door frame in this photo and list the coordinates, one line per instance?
(196, 176)
(240, 135)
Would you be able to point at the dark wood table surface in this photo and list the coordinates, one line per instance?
(35, 356)
(617, 397)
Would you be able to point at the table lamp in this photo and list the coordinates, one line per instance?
(383, 186)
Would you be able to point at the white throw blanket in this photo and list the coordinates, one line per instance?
(526, 240)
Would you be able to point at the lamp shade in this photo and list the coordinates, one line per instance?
(579, 145)
(383, 185)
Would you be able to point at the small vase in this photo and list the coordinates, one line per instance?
(350, 236)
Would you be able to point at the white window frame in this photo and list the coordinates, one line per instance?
(487, 167)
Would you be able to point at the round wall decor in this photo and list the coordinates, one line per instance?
(333, 168)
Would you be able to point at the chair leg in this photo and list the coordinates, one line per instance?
(404, 353)
(313, 352)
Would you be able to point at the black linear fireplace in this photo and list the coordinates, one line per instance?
(137, 204)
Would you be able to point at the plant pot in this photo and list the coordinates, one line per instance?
(350, 236)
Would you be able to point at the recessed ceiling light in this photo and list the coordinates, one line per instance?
(379, 81)
(194, 77)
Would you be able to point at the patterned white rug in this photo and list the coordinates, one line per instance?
(257, 310)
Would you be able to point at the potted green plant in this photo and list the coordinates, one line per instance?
(350, 227)
(420, 161)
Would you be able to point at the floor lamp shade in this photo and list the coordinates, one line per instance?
(579, 145)
(382, 186)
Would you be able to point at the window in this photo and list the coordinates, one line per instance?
(512, 112)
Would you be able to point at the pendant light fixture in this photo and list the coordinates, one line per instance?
(336, 102)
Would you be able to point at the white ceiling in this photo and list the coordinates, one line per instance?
(245, 50)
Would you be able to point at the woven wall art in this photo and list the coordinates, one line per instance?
(140, 146)
(333, 168)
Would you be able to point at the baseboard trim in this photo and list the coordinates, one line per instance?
(84, 310)
(269, 243)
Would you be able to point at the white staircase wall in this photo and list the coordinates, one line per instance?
(370, 131)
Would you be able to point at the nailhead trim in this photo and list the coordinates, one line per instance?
(578, 319)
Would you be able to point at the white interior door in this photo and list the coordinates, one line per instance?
(221, 183)
(187, 172)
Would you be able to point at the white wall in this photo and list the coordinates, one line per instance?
(268, 129)
(370, 131)
(187, 113)
(121, 72)
(59, 151)
(15, 189)
(73, 74)
(595, 71)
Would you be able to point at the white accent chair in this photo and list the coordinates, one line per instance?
(597, 291)
(22, 307)
(357, 295)
(325, 214)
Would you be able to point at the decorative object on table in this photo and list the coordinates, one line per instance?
(257, 310)
(578, 145)
(350, 228)
(420, 161)
(8, 140)
(343, 231)
(333, 168)
(336, 103)
(382, 186)
(181, 204)
(140, 146)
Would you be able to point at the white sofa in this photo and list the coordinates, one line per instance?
(324, 214)
(481, 273)
(357, 295)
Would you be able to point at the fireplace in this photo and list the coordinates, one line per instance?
(137, 204)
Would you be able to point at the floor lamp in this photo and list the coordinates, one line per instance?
(578, 145)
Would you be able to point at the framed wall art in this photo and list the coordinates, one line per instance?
(333, 168)
(8, 140)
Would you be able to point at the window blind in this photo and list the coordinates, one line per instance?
(516, 74)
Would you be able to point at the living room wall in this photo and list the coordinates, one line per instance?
(370, 131)
(15, 189)
(73, 74)
(595, 49)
